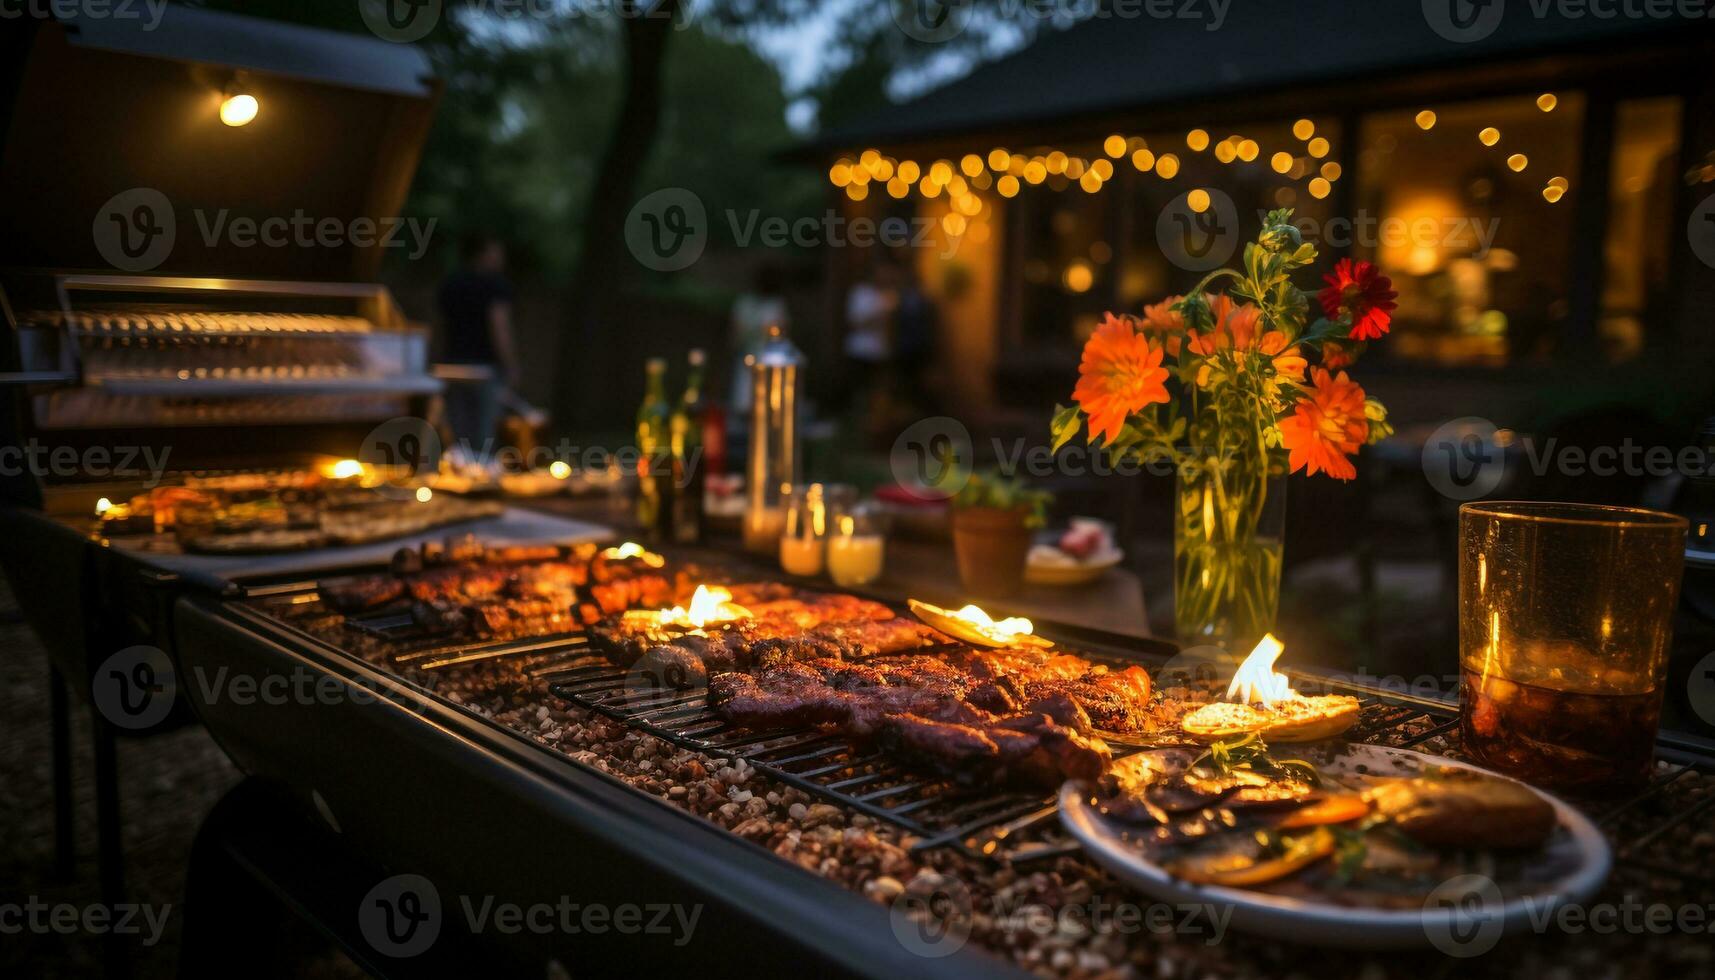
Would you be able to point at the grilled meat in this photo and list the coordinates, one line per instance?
(358, 594)
(624, 639)
(918, 706)
(690, 660)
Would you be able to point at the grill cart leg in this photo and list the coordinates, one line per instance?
(110, 849)
(65, 845)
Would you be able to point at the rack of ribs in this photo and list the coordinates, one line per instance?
(690, 660)
(626, 638)
(925, 709)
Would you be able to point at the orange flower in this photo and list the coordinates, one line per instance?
(1120, 373)
(1235, 327)
(1289, 362)
(1327, 427)
(1162, 320)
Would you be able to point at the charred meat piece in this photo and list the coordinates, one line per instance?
(919, 712)
(694, 657)
(359, 594)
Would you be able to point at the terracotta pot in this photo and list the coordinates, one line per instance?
(992, 546)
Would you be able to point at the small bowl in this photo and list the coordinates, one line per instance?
(1082, 573)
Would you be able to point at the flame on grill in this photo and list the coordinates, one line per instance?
(632, 549)
(709, 604)
(1003, 631)
(1257, 682)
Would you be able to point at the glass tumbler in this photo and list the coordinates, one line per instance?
(1565, 623)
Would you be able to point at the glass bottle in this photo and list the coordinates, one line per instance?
(654, 448)
(689, 466)
(772, 465)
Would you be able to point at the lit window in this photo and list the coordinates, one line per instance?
(1480, 258)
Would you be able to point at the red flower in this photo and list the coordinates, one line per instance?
(1358, 290)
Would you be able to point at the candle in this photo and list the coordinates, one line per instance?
(762, 528)
(855, 559)
(801, 555)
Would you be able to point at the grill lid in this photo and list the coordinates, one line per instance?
(102, 116)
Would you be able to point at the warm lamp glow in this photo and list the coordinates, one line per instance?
(239, 108)
(424, 495)
(1079, 277)
(559, 469)
(102, 506)
(345, 469)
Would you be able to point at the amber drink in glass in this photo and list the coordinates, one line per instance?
(1565, 622)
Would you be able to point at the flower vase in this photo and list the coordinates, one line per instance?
(1228, 532)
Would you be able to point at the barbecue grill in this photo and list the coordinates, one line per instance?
(362, 770)
(132, 334)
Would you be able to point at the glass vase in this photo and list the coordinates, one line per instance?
(1228, 532)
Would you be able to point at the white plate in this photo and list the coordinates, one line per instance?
(1452, 925)
(1082, 573)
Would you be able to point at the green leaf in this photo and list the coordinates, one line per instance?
(1068, 419)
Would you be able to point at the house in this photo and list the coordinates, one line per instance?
(1537, 179)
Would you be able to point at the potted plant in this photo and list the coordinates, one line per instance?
(994, 516)
(1236, 388)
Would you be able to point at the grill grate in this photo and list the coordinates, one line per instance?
(938, 810)
(1013, 826)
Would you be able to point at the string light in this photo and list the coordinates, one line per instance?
(1426, 120)
(940, 172)
(909, 171)
(1518, 161)
(1331, 170)
(1225, 151)
(1197, 139)
(898, 188)
(1167, 166)
(1248, 150)
(1103, 169)
(1319, 188)
(1552, 194)
(1090, 182)
(1114, 146)
(971, 164)
(999, 159)
(1143, 160)
(1007, 185)
(857, 192)
(1490, 136)
(1547, 101)
(1198, 200)
(1304, 129)
(1281, 162)
(1317, 147)
(1035, 171)
(1057, 162)
(840, 174)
